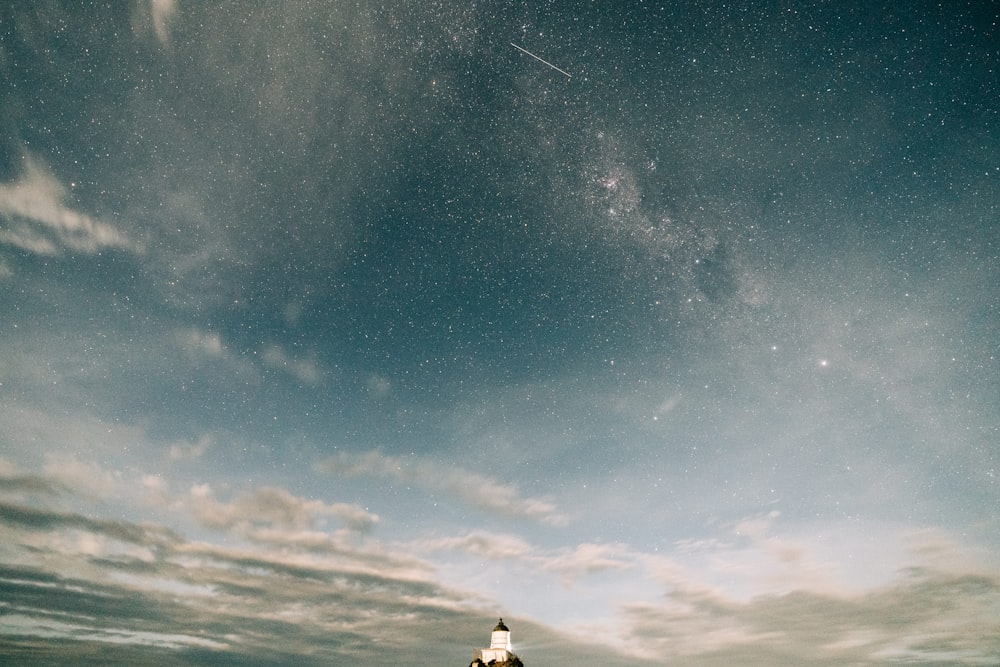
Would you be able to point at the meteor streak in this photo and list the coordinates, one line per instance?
(542, 60)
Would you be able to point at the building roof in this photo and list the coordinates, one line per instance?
(501, 626)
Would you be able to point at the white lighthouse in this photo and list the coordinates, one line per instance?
(500, 639)
(500, 650)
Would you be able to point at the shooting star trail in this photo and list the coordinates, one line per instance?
(542, 60)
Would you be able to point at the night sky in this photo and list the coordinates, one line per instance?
(332, 331)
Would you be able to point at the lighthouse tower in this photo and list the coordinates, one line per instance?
(500, 637)
(500, 649)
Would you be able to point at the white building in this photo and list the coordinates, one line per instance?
(500, 649)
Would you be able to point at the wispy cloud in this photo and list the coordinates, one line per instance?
(568, 564)
(766, 597)
(305, 370)
(85, 478)
(482, 544)
(273, 508)
(470, 487)
(163, 13)
(14, 482)
(31, 518)
(201, 342)
(190, 451)
(292, 587)
(763, 597)
(89, 584)
(37, 219)
(948, 618)
(48, 437)
(183, 596)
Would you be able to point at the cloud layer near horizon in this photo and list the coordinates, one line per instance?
(272, 581)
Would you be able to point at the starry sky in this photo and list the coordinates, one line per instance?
(330, 331)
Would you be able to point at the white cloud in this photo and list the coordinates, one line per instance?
(29, 431)
(190, 451)
(202, 348)
(569, 564)
(156, 490)
(143, 586)
(38, 221)
(589, 559)
(472, 488)
(770, 593)
(930, 616)
(201, 342)
(494, 546)
(86, 478)
(162, 15)
(7, 469)
(306, 371)
(293, 573)
(272, 508)
(379, 386)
